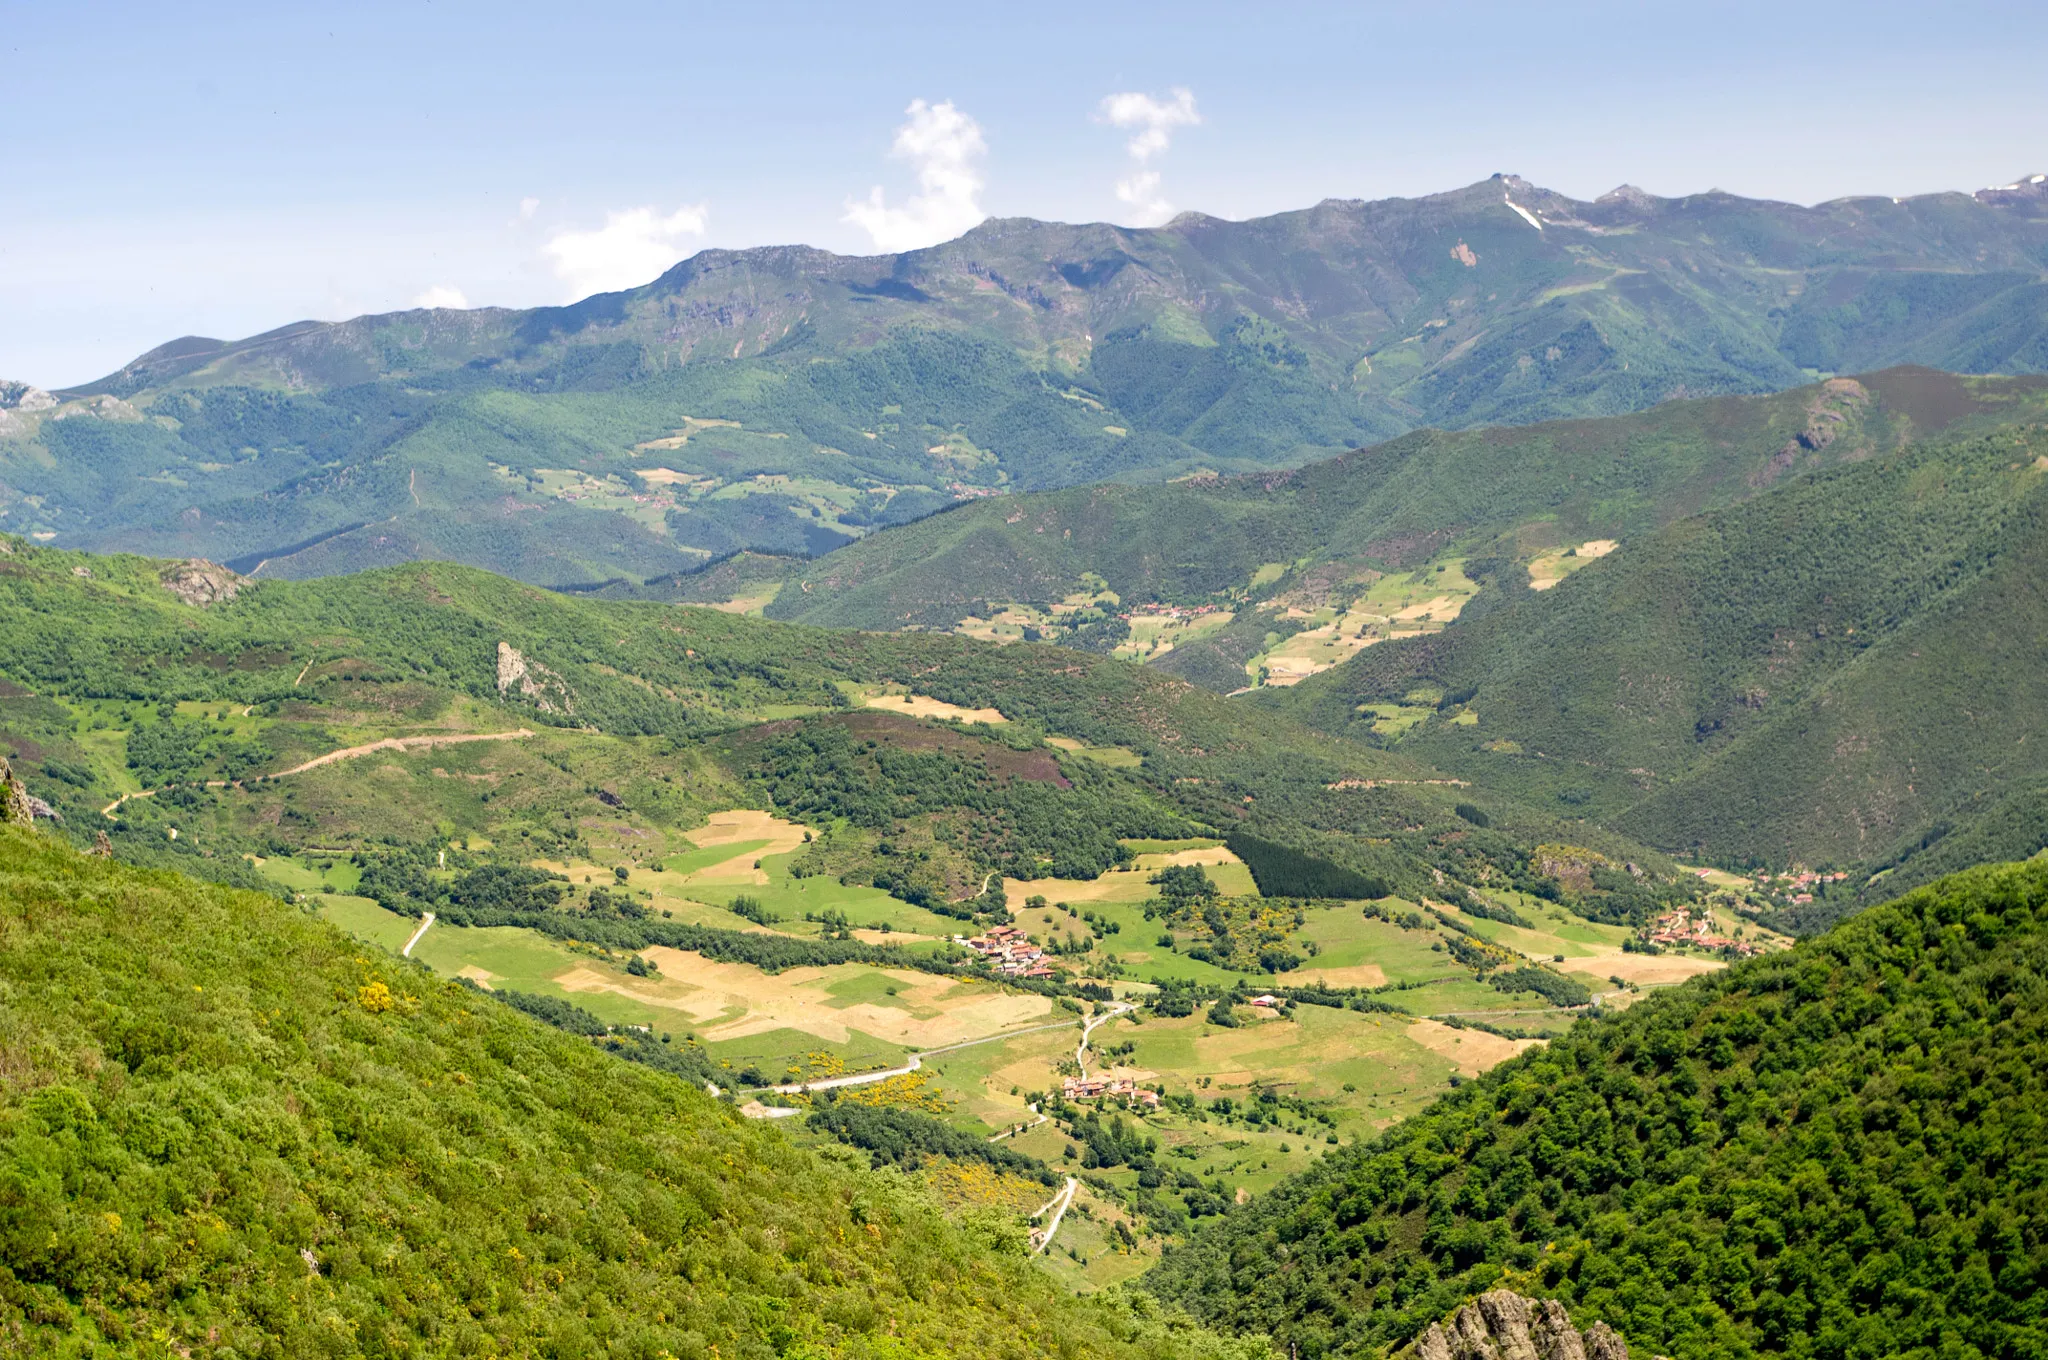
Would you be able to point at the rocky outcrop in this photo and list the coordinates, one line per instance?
(1503, 1325)
(16, 807)
(199, 582)
(1835, 408)
(530, 680)
(20, 396)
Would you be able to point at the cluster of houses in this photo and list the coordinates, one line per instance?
(1092, 1088)
(1681, 928)
(1798, 884)
(1012, 955)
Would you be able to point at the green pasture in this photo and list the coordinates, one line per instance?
(775, 1051)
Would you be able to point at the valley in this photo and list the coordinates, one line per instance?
(1452, 777)
(764, 883)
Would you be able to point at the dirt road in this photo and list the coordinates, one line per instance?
(345, 753)
(916, 1062)
(1059, 1204)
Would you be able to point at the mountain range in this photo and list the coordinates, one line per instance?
(790, 400)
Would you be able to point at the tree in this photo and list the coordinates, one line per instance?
(1184, 884)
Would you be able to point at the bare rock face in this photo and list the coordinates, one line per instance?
(1503, 1325)
(199, 582)
(20, 396)
(16, 807)
(531, 680)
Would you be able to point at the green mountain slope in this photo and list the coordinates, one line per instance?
(225, 1131)
(1833, 1151)
(790, 400)
(115, 684)
(1833, 673)
(1330, 528)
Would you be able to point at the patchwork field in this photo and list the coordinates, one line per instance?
(1397, 605)
(1271, 1093)
(1550, 568)
(1153, 635)
(1134, 884)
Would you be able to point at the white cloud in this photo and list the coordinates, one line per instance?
(527, 208)
(1154, 120)
(946, 146)
(1141, 191)
(631, 248)
(442, 295)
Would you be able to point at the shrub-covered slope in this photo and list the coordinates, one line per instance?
(1835, 1151)
(1841, 671)
(224, 1131)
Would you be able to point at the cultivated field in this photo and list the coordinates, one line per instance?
(1550, 568)
(1398, 605)
(924, 706)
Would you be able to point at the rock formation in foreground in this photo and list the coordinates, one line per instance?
(1503, 1325)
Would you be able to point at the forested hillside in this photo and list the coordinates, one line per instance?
(225, 1130)
(1501, 495)
(115, 684)
(791, 400)
(1834, 1151)
(1841, 672)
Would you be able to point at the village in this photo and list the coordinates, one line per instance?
(1680, 928)
(1007, 950)
(1797, 886)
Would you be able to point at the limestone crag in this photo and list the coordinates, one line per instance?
(531, 680)
(1503, 1325)
(200, 583)
(16, 807)
(21, 396)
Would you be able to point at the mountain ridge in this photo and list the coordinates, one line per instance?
(789, 400)
(2026, 191)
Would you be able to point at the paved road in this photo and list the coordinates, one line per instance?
(1021, 1128)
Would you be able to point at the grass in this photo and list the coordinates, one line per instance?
(978, 1079)
(775, 1051)
(692, 861)
(365, 920)
(871, 988)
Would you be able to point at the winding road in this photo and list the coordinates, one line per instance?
(916, 1062)
(1089, 1027)
(1042, 1238)
(426, 920)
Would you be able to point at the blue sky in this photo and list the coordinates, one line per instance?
(222, 169)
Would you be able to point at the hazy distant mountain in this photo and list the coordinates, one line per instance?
(791, 400)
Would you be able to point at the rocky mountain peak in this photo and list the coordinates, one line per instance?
(2027, 189)
(1504, 1325)
(1628, 194)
